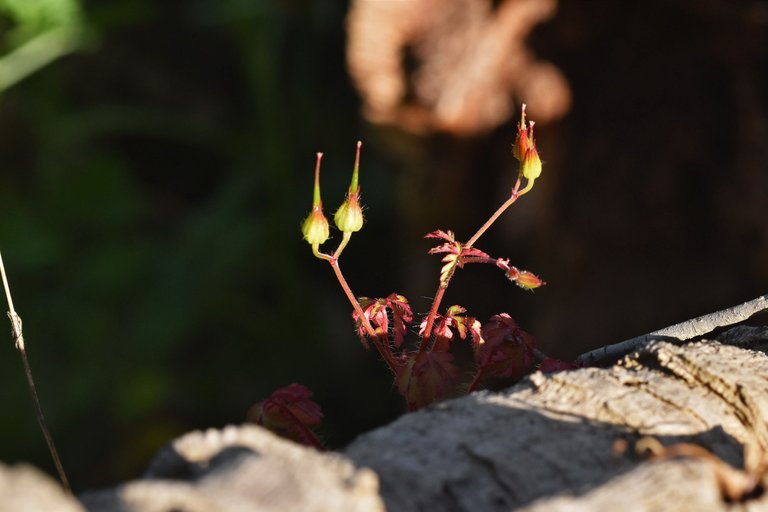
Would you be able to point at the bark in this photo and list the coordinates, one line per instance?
(549, 443)
(558, 442)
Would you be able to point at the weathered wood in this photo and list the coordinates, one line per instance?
(684, 331)
(242, 469)
(25, 488)
(547, 444)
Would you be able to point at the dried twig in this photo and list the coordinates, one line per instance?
(683, 331)
(18, 337)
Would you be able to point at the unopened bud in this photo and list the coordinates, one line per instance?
(521, 140)
(349, 216)
(528, 280)
(315, 226)
(523, 278)
(530, 166)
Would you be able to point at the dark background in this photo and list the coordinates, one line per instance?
(154, 181)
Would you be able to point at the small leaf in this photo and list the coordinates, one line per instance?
(378, 312)
(448, 236)
(504, 352)
(289, 412)
(426, 377)
(401, 316)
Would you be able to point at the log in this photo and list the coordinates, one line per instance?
(548, 443)
(557, 442)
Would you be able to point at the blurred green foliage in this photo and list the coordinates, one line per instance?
(35, 33)
(152, 188)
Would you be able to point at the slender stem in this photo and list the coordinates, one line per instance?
(514, 195)
(432, 315)
(18, 336)
(344, 241)
(491, 220)
(380, 345)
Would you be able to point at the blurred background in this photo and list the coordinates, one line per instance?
(156, 162)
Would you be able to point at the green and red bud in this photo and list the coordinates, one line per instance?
(530, 166)
(315, 226)
(528, 280)
(349, 216)
(525, 151)
(522, 142)
(524, 279)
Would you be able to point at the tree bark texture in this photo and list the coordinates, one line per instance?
(549, 443)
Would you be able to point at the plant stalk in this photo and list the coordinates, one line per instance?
(514, 195)
(382, 347)
(18, 337)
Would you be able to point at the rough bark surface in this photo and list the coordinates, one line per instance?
(547, 444)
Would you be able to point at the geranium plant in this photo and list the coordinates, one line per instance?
(424, 369)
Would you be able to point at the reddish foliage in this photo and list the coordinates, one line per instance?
(289, 412)
(425, 377)
(456, 255)
(505, 352)
(454, 320)
(378, 313)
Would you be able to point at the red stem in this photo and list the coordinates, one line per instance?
(491, 220)
(432, 314)
(381, 346)
(514, 195)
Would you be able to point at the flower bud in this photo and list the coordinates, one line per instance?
(349, 216)
(528, 280)
(530, 166)
(522, 142)
(523, 278)
(315, 226)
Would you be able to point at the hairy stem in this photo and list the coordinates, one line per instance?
(433, 314)
(512, 198)
(18, 337)
(344, 241)
(381, 345)
(514, 195)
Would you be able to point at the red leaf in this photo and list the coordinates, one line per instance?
(451, 248)
(378, 312)
(474, 253)
(446, 325)
(426, 377)
(289, 412)
(504, 351)
(448, 236)
(401, 316)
